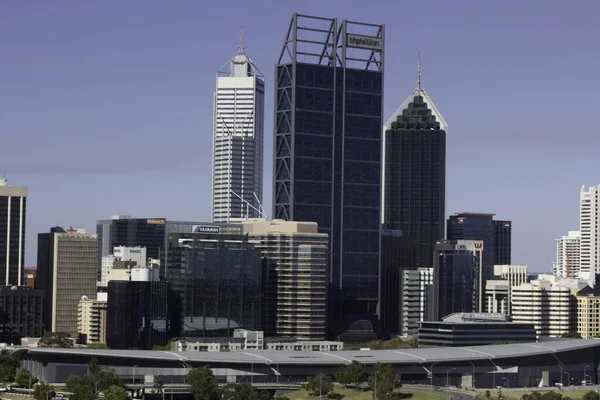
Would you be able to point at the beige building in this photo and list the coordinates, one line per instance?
(67, 265)
(91, 319)
(588, 316)
(295, 279)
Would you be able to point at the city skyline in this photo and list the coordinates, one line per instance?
(77, 124)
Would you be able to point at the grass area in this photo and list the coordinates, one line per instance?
(353, 394)
(516, 395)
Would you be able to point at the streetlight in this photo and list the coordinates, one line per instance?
(375, 380)
(585, 374)
(134, 373)
(447, 386)
(431, 382)
(473, 378)
(561, 374)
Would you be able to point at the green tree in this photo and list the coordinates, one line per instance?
(536, 396)
(100, 346)
(342, 378)
(8, 367)
(56, 340)
(356, 372)
(243, 390)
(24, 379)
(552, 396)
(81, 387)
(384, 379)
(488, 394)
(319, 385)
(591, 395)
(116, 393)
(158, 384)
(43, 391)
(571, 335)
(203, 384)
(566, 398)
(526, 396)
(96, 380)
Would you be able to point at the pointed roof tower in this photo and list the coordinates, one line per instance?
(240, 65)
(418, 92)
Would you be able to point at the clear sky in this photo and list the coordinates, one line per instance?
(106, 106)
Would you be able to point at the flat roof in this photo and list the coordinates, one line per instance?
(401, 356)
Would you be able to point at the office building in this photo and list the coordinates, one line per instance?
(588, 316)
(417, 299)
(497, 296)
(91, 319)
(141, 314)
(589, 227)
(21, 310)
(290, 344)
(119, 265)
(567, 255)
(294, 277)
(217, 273)
(67, 259)
(30, 276)
(13, 206)
(238, 136)
(514, 274)
(495, 235)
(398, 254)
(457, 282)
(474, 329)
(415, 172)
(546, 304)
(327, 167)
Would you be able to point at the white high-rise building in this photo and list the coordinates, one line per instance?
(238, 131)
(567, 255)
(589, 259)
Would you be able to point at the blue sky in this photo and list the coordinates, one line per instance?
(106, 107)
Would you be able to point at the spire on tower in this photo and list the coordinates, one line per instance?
(241, 47)
(419, 72)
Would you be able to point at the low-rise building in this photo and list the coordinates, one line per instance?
(497, 296)
(91, 319)
(588, 316)
(290, 344)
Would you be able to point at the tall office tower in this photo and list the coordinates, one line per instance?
(546, 304)
(398, 254)
(567, 255)
(494, 235)
(13, 202)
(238, 134)
(327, 169)
(589, 226)
(140, 314)
(294, 277)
(457, 283)
(414, 197)
(67, 260)
(417, 297)
(217, 273)
(21, 309)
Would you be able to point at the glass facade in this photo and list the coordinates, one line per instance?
(217, 277)
(328, 165)
(503, 241)
(415, 176)
(10, 224)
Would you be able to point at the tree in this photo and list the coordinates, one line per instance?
(526, 396)
(592, 395)
(100, 346)
(203, 384)
(158, 384)
(8, 367)
(342, 378)
(43, 391)
(24, 379)
(356, 372)
(536, 396)
(571, 335)
(56, 340)
(116, 393)
(488, 394)
(96, 380)
(551, 396)
(384, 379)
(319, 385)
(242, 390)
(81, 387)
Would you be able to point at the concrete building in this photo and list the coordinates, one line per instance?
(417, 297)
(67, 264)
(291, 344)
(294, 278)
(13, 206)
(568, 249)
(589, 227)
(546, 304)
(316, 138)
(21, 310)
(588, 316)
(120, 265)
(497, 297)
(91, 319)
(474, 329)
(253, 340)
(238, 141)
(457, 277)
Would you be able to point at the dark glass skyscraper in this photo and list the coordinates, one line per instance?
(496, 236)
(328, 119)
(415, 173)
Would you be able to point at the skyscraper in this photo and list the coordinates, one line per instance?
(13, 202)
(415, 173)
(238, 131)
(66, 271)
(567, 255)
(327, 167)
(589, 227)
(496, 237)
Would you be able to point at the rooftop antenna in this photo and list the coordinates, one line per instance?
(241, 47)
(419, 71)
